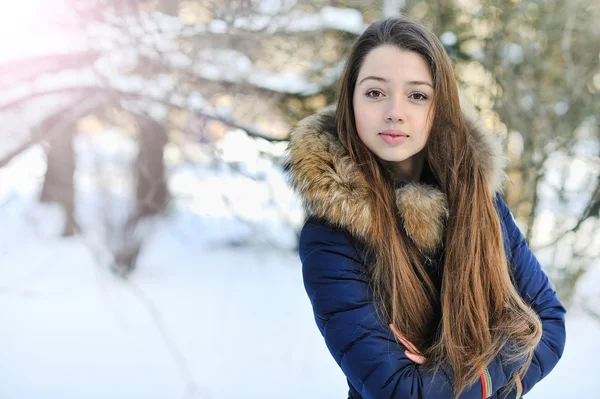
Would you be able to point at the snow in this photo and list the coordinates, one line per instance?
(513, 53)
(286, 82)
(561, 107)
(273, 6)
(344, 19)
(235, 67)
(197, 102)
(393, 8)
(202, 316)
(157, 37)
(564, 193)
(217, 26)
(448, 38)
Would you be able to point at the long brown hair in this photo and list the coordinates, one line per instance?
(481, 311)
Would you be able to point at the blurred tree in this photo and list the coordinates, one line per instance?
(529, 67)
(151, 191)
(248, 65)
(58, 183)
(169, 7)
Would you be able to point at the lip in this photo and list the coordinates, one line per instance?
(391, 136)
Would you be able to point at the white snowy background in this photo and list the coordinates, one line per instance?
(216, 307)
(201, 316)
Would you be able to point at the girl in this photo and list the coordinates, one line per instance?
(420, 281)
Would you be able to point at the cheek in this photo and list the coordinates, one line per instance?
(425, 135)
(427, 123)
(427, 126)
(359, 114)
(361, 122)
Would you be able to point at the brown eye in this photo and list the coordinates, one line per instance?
(374, 94)
(418, 96)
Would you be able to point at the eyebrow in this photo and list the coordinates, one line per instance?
(411, 83)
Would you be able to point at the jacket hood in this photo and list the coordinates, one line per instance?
(332, 186)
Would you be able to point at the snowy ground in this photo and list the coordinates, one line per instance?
(199, 318)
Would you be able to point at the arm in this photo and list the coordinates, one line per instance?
(534, 287)
(361, 344)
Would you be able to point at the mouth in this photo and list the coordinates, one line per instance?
(393, 136)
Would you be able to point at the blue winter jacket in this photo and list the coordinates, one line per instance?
(364, 347)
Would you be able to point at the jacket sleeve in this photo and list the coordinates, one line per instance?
(360, 343)
(534, 287)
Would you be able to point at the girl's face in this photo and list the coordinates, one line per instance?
(392, 101)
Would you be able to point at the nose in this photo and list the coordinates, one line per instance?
(395, 111)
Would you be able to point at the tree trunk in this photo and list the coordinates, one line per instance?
(151, 192)
(170, 7)
(58, 184)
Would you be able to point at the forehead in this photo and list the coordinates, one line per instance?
(395, 65)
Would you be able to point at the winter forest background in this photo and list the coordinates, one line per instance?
(147, 235)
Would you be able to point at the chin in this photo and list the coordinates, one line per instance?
(394, 158)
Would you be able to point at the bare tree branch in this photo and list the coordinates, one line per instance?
(27, 69)
(84, 106)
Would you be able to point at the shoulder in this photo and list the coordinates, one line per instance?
(510, 230)
(329, 255)
(501, 207)
(318, 236)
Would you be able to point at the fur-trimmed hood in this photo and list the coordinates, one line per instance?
(332, 186)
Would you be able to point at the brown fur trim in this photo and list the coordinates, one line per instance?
(423, 211)
(489, 153)
(332, 187)
(329, 183)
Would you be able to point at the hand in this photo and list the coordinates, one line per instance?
(412, 352)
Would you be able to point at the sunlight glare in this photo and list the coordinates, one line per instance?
(27, 28)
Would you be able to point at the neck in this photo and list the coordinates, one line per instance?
(409, 169)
